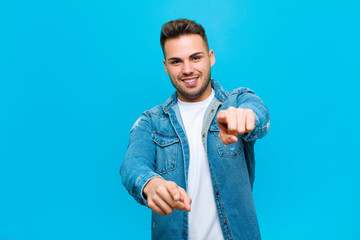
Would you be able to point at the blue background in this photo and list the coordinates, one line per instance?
(75, 75)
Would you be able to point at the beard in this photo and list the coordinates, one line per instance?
(189, 94)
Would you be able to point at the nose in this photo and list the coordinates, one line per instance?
(187, 68)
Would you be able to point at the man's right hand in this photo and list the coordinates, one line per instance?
(164, 196)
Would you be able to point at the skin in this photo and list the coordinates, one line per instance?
(233, 122)
(164, 196)
(188, 58)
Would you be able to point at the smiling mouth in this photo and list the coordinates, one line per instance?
(190, 81)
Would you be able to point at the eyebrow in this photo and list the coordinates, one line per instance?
(192, 55)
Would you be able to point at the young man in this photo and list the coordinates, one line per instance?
(195, 152)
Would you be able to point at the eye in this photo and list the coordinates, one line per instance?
(175, 62)
(196, 58)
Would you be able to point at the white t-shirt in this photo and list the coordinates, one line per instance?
(203, 218)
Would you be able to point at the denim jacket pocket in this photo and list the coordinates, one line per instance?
(166, 151)
(229, 151)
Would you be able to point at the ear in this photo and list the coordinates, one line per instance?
(212, 57)
(165, 67)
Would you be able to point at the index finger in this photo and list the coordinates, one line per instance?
(185, 199)
(174, 192)
(222, 117)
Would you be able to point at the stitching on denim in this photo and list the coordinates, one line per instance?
(203, 130)
(166, 171)
(183, 155)
(242, 90)
(223, 153)
(222, 206)
(258, 132)
(163, 146)
(139, 179)
(207, 117)
(155, 113)
(239, 91)
(165, 134)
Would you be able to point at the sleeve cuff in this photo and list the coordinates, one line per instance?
(141, 183)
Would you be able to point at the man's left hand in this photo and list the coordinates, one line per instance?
(233, 122)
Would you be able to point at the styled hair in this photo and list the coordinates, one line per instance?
(179, 27)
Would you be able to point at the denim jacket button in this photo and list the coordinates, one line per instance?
(217, 193)
(225, 222)
(184, 231)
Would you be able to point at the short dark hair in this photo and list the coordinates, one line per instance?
(179, 27)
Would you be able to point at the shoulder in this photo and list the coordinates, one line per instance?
(145, 121)
(224, 95)
(240, 91)
(157, 112)
(238, 94)
(241, 96)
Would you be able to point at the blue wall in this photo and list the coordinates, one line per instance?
(75, 75)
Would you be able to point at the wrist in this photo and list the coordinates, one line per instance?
(148, 185)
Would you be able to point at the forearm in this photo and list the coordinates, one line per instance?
(139, 163)
(135, 175)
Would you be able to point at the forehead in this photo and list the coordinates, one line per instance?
(184, 46)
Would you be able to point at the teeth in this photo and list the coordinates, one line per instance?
(188, 81)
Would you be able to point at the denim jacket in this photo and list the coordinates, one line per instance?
(158, 147)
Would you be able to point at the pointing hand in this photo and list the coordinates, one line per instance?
(164, 197)
(233, 122)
